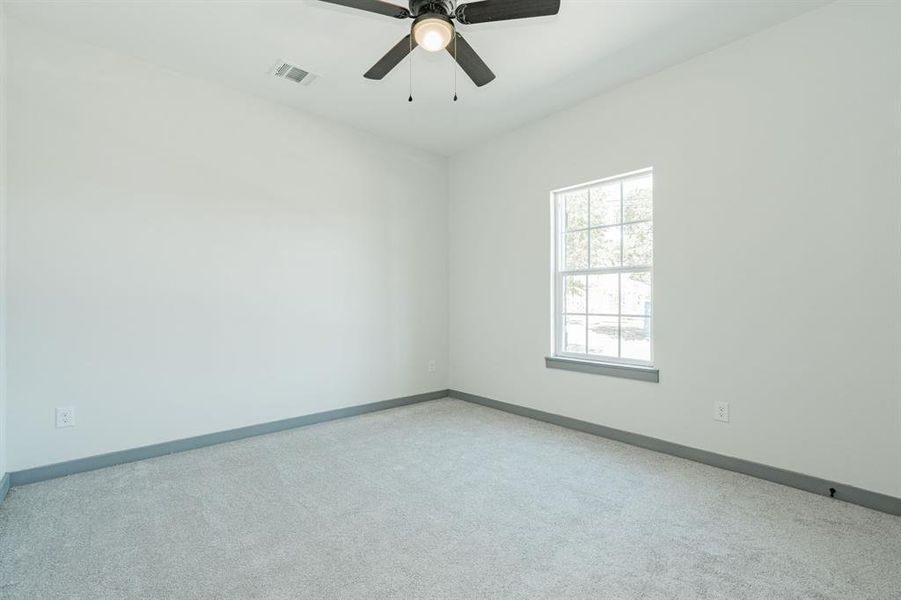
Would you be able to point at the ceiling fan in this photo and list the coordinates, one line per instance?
(434, 30)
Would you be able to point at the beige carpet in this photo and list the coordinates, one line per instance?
(442, 499)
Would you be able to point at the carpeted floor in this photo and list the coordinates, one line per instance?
(442, 499)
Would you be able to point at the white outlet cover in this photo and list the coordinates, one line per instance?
(721, 411)
(65, 416)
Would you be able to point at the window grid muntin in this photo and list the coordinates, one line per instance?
(559, 198)
(638, 222)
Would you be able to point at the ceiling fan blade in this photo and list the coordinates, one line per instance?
(391, 59)
(375, 6)
(470, 62)
(503, 10)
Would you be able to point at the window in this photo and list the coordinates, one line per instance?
(603, 270)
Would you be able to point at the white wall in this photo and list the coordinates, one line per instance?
(184, 258)
(2, 239)
(778, 251)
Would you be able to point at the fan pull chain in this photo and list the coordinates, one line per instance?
(455, 66)
(410, 62)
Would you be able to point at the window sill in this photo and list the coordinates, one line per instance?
(601, 368)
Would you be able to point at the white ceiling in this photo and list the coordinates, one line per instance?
(542, 65)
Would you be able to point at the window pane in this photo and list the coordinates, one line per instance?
(636, 343)
(637, 199)
(638, 245)
(576, 204)
(574, 294)
(605, 205)
(605, 247)
(602, 336)
(603, 294)
(636, 293)
(574, 334)
(575, 251)
(606, 227)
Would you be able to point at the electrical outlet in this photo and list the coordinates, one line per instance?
(721, 412)
(432, 366)
(65, 416)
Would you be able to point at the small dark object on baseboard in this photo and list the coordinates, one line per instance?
(832, 492)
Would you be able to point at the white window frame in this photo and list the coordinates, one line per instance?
(558, 221)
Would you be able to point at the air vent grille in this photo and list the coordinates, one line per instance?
(285, 70)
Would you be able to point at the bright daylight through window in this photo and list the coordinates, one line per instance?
(603, 269)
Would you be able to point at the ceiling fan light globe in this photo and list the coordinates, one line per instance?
(433, 34)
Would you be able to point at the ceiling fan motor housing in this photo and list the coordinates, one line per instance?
(419, 8)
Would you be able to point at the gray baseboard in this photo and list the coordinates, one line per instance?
(808, 483)
(92, 463)
(4, 487)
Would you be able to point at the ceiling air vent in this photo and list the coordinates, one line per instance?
(285, 70)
